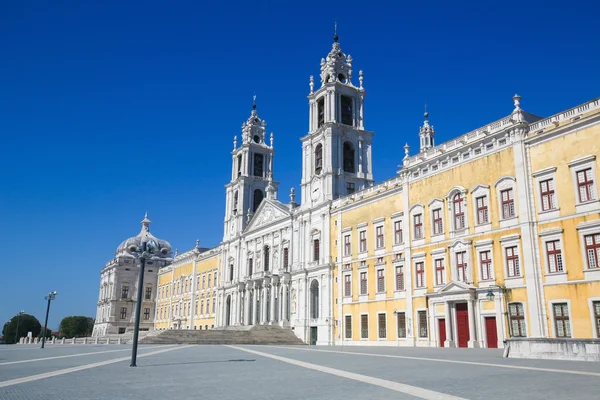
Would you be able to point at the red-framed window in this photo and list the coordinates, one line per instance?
(482, 210)
(398, 232)
(585, 185)
(437, 222)
(401, 322)
(286, 258)
(316, 250)
(379, 234)
(516, 316)
(547, 194)
(553, 250)
(420, 274)
(363, 283)
(459, 211)
(562, 322)
(347, 245)
(508, 203)
(592, 249)
(363, 241)
(440, 271)
(382, 325)
(485, 258)
(347, 285)
(400, 277)
(461, 265)
(418, 225)
(596, 307)
(348, 326)
(380, 281)
(512, 261)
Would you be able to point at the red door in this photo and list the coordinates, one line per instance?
(491, 333)
(462, 324)
(442, 330)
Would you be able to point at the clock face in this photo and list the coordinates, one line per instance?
(316, 193)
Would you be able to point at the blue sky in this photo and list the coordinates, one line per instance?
(109, 109)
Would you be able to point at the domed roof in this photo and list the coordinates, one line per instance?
(159, 248)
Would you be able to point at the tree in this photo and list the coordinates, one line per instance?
(76, 326)
(27, 323)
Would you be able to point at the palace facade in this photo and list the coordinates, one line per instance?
(494, 234)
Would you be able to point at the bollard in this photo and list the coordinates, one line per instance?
(53, 340)
(35, 340)
(84, 340)
(96, 342)
(63, 341)
(119, 341)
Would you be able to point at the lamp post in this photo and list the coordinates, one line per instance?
(18, 322)
(150, 250)
(50, 297)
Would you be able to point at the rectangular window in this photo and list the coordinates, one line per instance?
(201, 306)
(320, 112)
(346, 103)
(592, 249)
(512, 261)
(347, 245)
(562, 322)
(459, 212)
(148, 295)
(482, 210)
(258, 164)
(401, 322)
(208, 281)
(146, 313)
(125, 291)
(382, 326)
(440, 272)
(380, 281)
(437, 222)
(215, 278)
(422, 323)
(553, 250)
(286, 258)
(123, 312)
(348, 327)
(347, 285)
(364, 326)
(379, 233)
(418, 224)
(363, 241)
(461, 266)
(420, 272)
(485, 258)
(350, 187)
(363, 283)
(204, 281)
(508, 203)
(316, 250)
(214, 303)
(596, 307)
(400, 277)
(585, 185)
(249, 267)
(398, 232)
(547, 194)
(517, 320)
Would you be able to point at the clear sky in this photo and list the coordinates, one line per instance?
(112, 108)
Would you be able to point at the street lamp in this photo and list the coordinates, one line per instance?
(150, 250)
(50, 297)
(490, 294)
(18, 321)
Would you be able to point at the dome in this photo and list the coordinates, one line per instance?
(159, 248)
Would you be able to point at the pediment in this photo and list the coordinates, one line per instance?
(455, 286)
(268, 212)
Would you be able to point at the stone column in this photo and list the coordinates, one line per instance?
(273, 293)
(255, 294)
(448, 323)
(247, 304)
(284, 302)
(263, 306)
(472, 336)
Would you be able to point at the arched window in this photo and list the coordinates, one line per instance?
(266, 255)
(318, 158)
(314, 299)
(459, 212)
(258, 197)
(348, 157)
(235, 201)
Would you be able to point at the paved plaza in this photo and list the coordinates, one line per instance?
(299, 372)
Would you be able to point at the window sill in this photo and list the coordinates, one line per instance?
(400, 294)
(362, 267)
(591, 274)
(419, 291)
(438, 236)
(487, 283)
(485, 227)
(513, 281)
(549, 214)
(506, 222)
(380, 296)
(587, 206)
(380, 251)
(363, 297)
(556, 277)
(418, 242)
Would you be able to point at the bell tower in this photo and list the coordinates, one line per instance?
(251, 174)
(336, 153)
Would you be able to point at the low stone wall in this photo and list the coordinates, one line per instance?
(554, 349)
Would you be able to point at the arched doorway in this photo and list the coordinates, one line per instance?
(228, 310)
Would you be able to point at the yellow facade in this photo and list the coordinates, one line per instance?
(484, 245)
(187, 292)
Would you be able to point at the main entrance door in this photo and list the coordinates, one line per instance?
(313, 335)
(491, 332)
(442, 331)
(462, 324)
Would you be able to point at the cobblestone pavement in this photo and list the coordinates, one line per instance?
(294, 372)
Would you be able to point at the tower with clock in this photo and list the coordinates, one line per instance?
(336, 153)
(251, 174)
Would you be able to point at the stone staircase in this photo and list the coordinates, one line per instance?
(259, 334)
